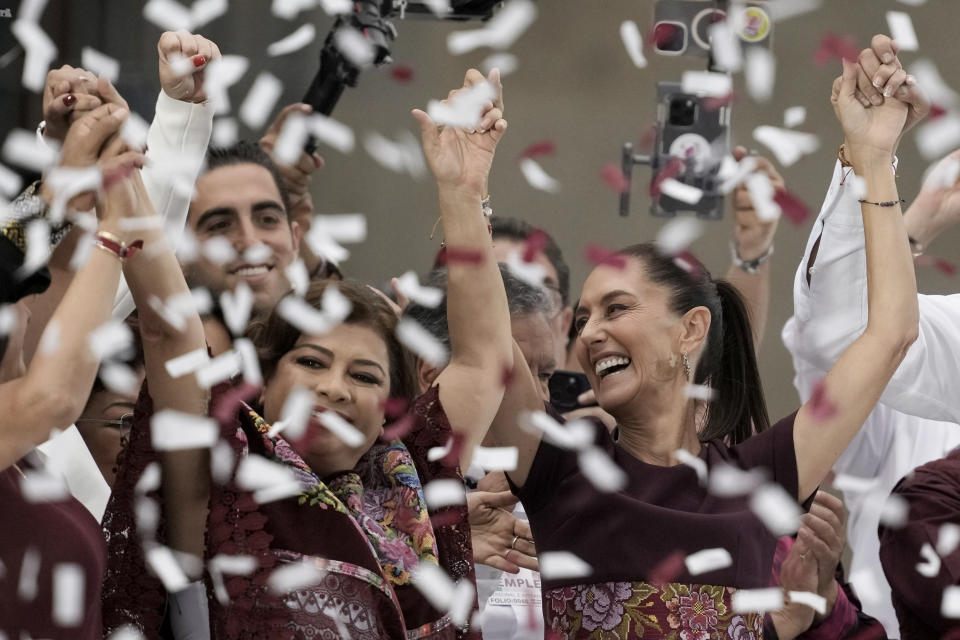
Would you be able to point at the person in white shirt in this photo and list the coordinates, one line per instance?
(916, 419)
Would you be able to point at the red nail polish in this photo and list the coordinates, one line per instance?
(199, 61)
(69, 100)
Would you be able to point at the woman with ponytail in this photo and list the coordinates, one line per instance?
(653, 338)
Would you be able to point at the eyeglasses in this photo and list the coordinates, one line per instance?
(124, 423)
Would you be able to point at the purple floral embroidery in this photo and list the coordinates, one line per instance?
(738, 630)
(601, 604)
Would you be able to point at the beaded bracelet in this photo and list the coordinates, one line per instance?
(885, 203)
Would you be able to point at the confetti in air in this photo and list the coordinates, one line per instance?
(409, 286)
(174, 430)
(421, 342)
(929, 566)
(536, 177)
(633, 41)
(757, 600)
(815, 601)
(444, 493)
(708, 560)
(293, 42)
(500, 32)
(902, 31)
(260, 100)
(100, 64)
(563, 565)
(778, 511)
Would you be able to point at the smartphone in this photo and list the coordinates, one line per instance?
(565, 387)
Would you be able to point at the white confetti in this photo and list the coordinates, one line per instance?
(761, 192)
(149, 480)
(696, 463)
(728, 481)
(205, 11)
(725, 46)
(341, 428)
(66, 182)
(164, 564)
(126, 632)
(69, 583)
(174, 430)
(22, 149)
(343, 227)
(293, 136)
(29, 571)
(678, 234)
(496, 458)
(942, 174)
(294, 577)
(462, 602)
(853, 484)
(438, 453)
(249, 362)
(38, 247)
(440, 8)
(187, 363)
(260, 100)
(633, 41)
(409, 286)
(10, 182)
(815, 601)
(536, 177)
(9, 318)
(119, 378)
(168, 15)
(708, 560)
(288, 9)
(236, 306)
(293, 42)
(40, 53)
(699, 392)
(507, 63)
(147, 517)
(225, 133)
(913, 3)
(794, 116)
(902, 31)
(43, 486)
(732, 173)
(100, 64)
(776, 509)
(336, 7)
(444, 493)
(268, 480)
(331, 132)
(234, 564)
(574, 434)
(950, 605)
(257, 253)
(938, 136)
(757, 600)
(298, 276)
(219, 76)
(707, 83)
(499, 33)
(563, 565)
(401, 156)
(435, 585)
(218, 250)
(180, 65)
(50, 341)
(148, 223)
(221, 368)
(464, 109)
(760, 72)
(787, 145)
(198, 300)
(785, 9)
(421, 342)
(895, 511)
(110, 339)
(532, 273)
(222, 459)
(354, 46)
(302, 315)
(937, 90)
(948, 538)
(602, 472)
(929, 567)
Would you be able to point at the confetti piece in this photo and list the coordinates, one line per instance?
(895, 511)
(9, 319)
(699, 392)
(708, 560)
(29, 571)
(462, 602)
(937, 137)
(344, 227)
(174, 430)
(785, 9)
(43, 486)
(354, 46)
(787, 145)
(409, 286)
(225, 133)
(66, 182)
(668, 569)
(537, 149)
(40, 53)
(203, 12)
(902, 31)
(421, 342)
(937, 90)
(792, 207)
(288, 9)
(500, 32)
(757, 600)
(222, 459)
(465, 109)
(633, 41)
(268, 480)
(950, 605)
(398, 428)
(257, 253)
(600, 256)
(294, 577)
(221, 368)
(189, 362)
(496, 458)
(168, 15)
(763, 196)
(100, 64)
(298, 276)
(38, 247)
(779, 512)
(602, 472)
(110, 340)
(760, 71)
(575, 434)
(331, 132)
(22, 149)
(218, 250)
(942, 265)
(833, 46)
(821, 407)
(260, 100)
(219, 76)
(435, 585)
(707, 83)
(304, 316)
(563, 565)
(10, 182)
(854, 484)
(403, 155)
(69, 583)
(728, 481)
(234, 564)
(930, 565)
(678, 234)
(794, 116)
(237, 306)
(401, 73)
(439, 7)
(444, 493)
(948, 539)
(164, 564)
(119, 378)
(341, 428)
(126, 632)
(816, 602)
(149, 480)
(613, 176)
(725, 46)
(293, 42)
(532, 273)
(536, 177)
(732, 173)
(507, 63)
(50, 341)
(696, 463)
(297, 408)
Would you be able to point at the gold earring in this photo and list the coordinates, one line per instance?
(686, 365)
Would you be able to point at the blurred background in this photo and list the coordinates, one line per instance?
(574, 86)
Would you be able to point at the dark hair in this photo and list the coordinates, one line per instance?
(244, 152)
(728, 363)
(522, 299)
(519, 231)
(274, 337)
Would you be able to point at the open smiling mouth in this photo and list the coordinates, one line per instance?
(251, 271)
(609, 366)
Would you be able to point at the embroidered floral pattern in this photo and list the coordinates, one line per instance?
(633, 610)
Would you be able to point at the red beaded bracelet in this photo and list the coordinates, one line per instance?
(113, 244)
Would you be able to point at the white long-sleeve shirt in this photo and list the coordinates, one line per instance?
(916, 419)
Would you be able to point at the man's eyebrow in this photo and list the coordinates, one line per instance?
(269, 204)
(215, 211)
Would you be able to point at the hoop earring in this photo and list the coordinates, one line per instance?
(686, 365)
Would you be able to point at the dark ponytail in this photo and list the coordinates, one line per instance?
(728, 363)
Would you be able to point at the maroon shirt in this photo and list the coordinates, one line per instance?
(61, 532)
(933, 491)
(626, 535)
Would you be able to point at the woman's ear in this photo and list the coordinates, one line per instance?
(426, 375)
(694, 327)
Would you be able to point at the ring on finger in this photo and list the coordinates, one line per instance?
(513, 545)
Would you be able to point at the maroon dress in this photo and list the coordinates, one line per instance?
(57, 534)
(635, 541)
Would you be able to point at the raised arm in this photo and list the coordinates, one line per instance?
(854, 384)
(471, 386)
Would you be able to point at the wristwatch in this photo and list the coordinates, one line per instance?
(750, 266)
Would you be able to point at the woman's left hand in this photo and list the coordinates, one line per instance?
(459, 158)
(500, 539)
(874, 130)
